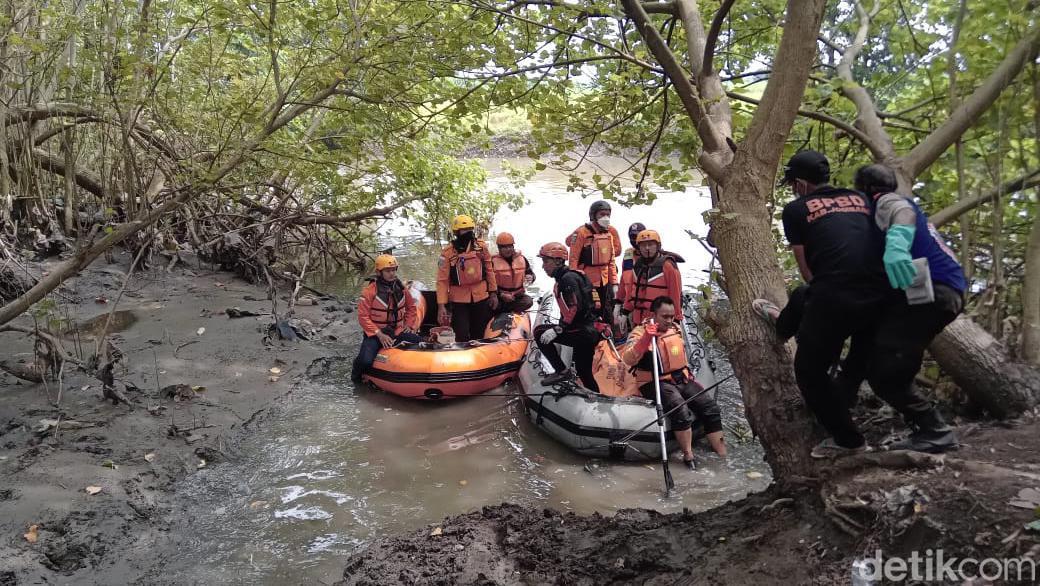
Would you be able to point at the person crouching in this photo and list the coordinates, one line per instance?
(387, 314)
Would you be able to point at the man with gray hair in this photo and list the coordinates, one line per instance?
(917, 261)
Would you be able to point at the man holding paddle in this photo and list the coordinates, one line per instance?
(678, 389)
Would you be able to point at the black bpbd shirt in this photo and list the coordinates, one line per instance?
(842, 243)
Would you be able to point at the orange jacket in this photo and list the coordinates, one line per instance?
(583, 255)
(627, 282)
(650, 280)
(459, 281)
(671, 348)
(384, 304)
(509, 274)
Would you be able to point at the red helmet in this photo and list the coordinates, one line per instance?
(554, 250)
(505, 239)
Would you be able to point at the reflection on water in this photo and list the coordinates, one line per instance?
(338, 467)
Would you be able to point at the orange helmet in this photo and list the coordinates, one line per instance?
(385, 261)
(649, 236)
(505, 239)
(554, 250)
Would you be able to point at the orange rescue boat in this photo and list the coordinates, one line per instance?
(431, 370)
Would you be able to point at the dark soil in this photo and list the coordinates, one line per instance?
(137, 452)
(893, 501)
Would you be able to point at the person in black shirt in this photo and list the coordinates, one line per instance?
(573, 293)
(838, 249)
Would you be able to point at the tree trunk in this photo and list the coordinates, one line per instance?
(741, 228)
(744, 238)
(996, 280)
(967, 259)
(1000, 386)
(1029, 349)
(774, 407)
(70, 182)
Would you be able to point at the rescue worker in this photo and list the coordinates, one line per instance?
(912, 320)
(626, 283)
(467, 291)
(573, 294)
(677, 383)
(654, 274)
(593, 248)
(837, 247)
(387, 314)
(513, 274)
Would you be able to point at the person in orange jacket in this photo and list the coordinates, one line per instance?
(593, 248)
(627, 281)
(387, 314)
(513, 274)
(467, 290)
(654, 274)
(678, 386)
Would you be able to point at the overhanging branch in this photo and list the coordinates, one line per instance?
(835, 122)
(933, 146)
(713, 35)
(956, 210)
(688, 95)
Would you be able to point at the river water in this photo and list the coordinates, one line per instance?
(337, 467)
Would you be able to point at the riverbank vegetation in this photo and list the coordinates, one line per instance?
(263, 136)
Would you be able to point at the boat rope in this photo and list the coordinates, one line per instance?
(625, 439)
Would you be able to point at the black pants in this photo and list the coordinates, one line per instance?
(903, 335)
(703, 408)
(853, 369)
(469, 320)
(831, 315)
(370, 346)
(520, 303)
(583, 340)
(606, 300)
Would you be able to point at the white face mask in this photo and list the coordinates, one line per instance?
(604, 222)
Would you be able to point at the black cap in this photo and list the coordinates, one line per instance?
(811, 166)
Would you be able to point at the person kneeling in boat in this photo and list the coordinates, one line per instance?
(573, 293)
(677, 384)
(513, 274)
(386, 312)
(467, 291)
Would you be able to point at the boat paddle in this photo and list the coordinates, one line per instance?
(669, 483)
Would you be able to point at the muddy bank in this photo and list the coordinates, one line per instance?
(899, 503)
(83, 482)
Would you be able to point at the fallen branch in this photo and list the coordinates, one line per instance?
(22, 371)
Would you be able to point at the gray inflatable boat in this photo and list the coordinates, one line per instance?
(593, 424)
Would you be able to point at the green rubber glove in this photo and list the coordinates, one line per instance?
(898, 263)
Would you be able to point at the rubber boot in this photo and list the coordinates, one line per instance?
(930, 434)
(558, 377)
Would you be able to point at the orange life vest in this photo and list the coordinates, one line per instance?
(467, 268)
(671, 352)
(649, 283)
(597, 249)
(387, 304)
(510, 273)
